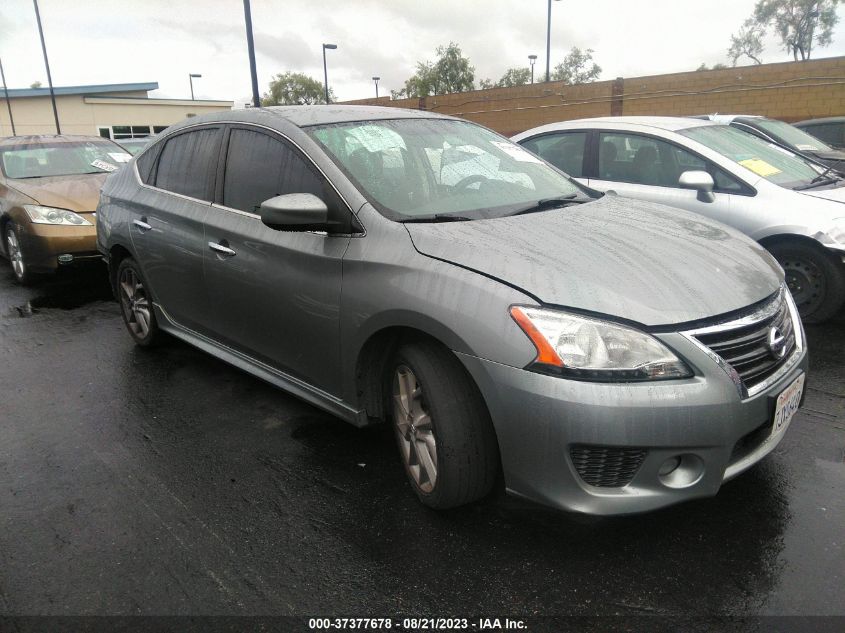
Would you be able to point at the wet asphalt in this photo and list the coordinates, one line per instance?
(166, 482)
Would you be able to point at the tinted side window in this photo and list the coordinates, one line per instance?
(145, 164)
(830, 133)
(188, 163)
(259, 167)
(565, 150)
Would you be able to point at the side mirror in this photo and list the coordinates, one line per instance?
(295, 212)
(701, 181)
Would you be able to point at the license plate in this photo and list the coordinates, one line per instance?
(787, 404)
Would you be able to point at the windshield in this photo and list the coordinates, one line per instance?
(37, 160)
(792, 135)
(768, 160)
(422, 168)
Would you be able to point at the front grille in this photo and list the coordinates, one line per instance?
(746, 346)
(607, 466)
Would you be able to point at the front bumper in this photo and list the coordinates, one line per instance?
(539, 419)
(45, 246)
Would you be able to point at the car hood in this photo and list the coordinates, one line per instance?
(837, 194)
(75, 193)
(637, 260)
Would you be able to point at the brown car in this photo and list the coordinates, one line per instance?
(49, 189)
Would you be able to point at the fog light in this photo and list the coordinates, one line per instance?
(668, 466)
(65, 259)
(681, 471)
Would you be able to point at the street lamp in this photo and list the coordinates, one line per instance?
(531, 60)
(47, 66)
(549, 40)
(325, 72)
(191, 77)
(375, 79)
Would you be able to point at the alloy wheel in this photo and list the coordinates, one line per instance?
(13, 248)
(414, 430)
(135, 303)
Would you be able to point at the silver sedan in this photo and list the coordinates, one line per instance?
(789, 204)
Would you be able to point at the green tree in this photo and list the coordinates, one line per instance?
(515, 77)
(747, 42)
(799, 23)
(295, 89)
(715, 67)
(451, 73)
(35, 84)
(577, 67)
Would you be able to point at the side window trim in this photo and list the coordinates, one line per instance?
(747, 190)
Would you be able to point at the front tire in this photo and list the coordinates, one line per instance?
(442, 426)
(136, 304)
(815, 279)
(16, 256)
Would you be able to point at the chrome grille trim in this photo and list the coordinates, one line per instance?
(744, 369)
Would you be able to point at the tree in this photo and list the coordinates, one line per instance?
(451, 73)
(295, 89)
(747, 42)
(715, 67)
(798, 23)
(514, 77)
(35, 84)
(577, 67)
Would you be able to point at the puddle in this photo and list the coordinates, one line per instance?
(66, 293)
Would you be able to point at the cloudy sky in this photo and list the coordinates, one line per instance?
(107, 41)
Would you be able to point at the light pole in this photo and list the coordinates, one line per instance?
(375, 79)
(531, 60)
(47, 66)
(191, 77)
(325, 71)
(549, 41)
(250, 47)
(8, 103)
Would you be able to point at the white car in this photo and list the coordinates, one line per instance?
(790, 204)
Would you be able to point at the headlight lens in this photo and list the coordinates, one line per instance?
(591, 349)
(51, 215)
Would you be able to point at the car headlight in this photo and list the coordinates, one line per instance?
(592, 349)
(51, 215)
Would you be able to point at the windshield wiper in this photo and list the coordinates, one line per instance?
(821, 179)
(438, 217)
(552, 203)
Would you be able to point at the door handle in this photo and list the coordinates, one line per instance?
(220, 248)
(142, 224)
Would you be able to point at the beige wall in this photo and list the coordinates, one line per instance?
(790, 91)
(82, 115)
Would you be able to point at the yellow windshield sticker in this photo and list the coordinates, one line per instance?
(760, 167)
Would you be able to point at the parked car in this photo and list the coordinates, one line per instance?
(784, 134)
(609, 355)
(49, 188)
(135, 145)
(788, 203)
(831, 130)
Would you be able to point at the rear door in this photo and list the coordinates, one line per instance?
(275, 295)
(167, 226)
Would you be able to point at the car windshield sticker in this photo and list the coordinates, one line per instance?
(120, 157)
(516, 152)
(760, 167)
(376, 138)
(101, 164)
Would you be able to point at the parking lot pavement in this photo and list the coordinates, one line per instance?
(166, 482)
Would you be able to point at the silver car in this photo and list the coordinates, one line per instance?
(791, 205)
(605, 355)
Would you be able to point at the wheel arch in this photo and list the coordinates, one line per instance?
(117, 253)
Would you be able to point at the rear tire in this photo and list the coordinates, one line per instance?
(442, 426)
(136, 304)
(814, 277)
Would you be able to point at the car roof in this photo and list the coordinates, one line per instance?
(308, 115)
(727, 118)
(829, 119)
(670, 123)
(47, 139)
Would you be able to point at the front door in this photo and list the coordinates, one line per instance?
(275, 295)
